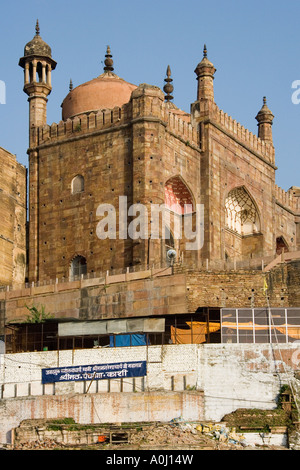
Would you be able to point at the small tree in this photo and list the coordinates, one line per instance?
(37, 315)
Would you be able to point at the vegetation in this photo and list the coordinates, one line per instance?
(263, 420)
(37, 315)
(253, 420)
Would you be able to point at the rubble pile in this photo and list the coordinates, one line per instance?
(176, 434)
(167, 435)
(47, 444)
(179, 433)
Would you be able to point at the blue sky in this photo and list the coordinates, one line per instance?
(253, 45)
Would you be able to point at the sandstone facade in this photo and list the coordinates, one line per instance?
(147, 151)
(13, 220)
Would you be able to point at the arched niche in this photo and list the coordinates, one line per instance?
(78, 266)
(77, 184)
(281, 245)
(178, 197)
(241, 212)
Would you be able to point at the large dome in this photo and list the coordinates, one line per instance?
(104, 92)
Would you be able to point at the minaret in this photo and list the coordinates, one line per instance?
(205, 75)
(265, 121)
(37, 64)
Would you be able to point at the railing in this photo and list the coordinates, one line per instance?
(263, 264)
(283, 258)
(108, 277)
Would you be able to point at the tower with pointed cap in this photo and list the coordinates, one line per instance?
(265, 121)
(205, 75)
(37, 63)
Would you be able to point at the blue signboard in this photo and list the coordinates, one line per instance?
(94, 372)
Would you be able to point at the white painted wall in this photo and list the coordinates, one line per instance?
(231, 376)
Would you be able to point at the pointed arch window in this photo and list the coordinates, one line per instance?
(241, 212)
(178, 197)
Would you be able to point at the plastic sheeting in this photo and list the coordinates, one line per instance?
(196, 334)
(121, 341)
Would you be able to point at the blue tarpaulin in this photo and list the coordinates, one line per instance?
(124, 340)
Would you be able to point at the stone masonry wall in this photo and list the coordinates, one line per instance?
(293, 278)
(132, 155)
(157, 292)
(244, 289)
(129, 295)
(13, 220)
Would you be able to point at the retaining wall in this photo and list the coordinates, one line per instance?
(196, 382)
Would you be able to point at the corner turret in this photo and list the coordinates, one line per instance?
(205, 75)
(265, 121)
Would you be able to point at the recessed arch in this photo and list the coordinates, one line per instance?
(178, 197)
(78, 266)
(241, 212)
(77, 184)
(281, 245)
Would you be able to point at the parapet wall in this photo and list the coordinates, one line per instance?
(182, 128)
(242, 134)
(81, 125)
(106, 119)
(287, 199)
(146, 293)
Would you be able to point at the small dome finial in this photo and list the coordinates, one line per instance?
(168, 88)
(205, 51)
(264, 100)
(37, 28)
(108, 61)
(71, 85)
